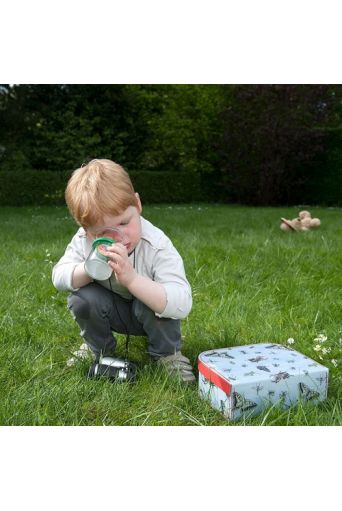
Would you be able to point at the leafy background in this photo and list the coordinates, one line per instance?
(249, 144)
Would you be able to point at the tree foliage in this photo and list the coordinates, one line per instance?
(252, 144)
(272, 138)
(143, 127)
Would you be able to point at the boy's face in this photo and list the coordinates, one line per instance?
(128, 224)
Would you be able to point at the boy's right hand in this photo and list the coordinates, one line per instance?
(120, 264)
(80, 278)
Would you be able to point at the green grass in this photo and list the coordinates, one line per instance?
(251, 283)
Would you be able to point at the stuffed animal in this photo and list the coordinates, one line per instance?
(303, 222)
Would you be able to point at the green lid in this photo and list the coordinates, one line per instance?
(103, 241)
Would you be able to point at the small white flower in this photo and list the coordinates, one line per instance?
(318, 347)
(334, 362)
(326, 350)
(290, 340)
(321, 338)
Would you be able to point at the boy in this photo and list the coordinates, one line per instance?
(147, 293)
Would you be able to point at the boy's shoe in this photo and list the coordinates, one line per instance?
(83, 353)
(178, 365)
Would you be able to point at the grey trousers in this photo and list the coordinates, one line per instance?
(98, 311)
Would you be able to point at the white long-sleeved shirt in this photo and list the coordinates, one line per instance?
(154, 257)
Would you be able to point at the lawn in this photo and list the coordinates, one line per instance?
(251, 283)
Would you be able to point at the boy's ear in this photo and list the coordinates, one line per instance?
(139, 206)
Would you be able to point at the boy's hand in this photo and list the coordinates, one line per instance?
(120, 264)
(150, 293)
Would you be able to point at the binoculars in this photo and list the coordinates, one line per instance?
(114, 369)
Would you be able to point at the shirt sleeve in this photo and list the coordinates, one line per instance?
(63, 271)
(168, 270)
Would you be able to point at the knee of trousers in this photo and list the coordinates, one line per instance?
(89, 302)
(79, 306)
(149, 320)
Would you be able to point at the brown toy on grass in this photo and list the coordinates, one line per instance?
(303, 222)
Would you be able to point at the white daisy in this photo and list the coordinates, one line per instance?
(321, 338)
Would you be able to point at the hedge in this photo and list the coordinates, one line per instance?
(46, 187)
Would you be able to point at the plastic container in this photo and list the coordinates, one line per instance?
(96, 264)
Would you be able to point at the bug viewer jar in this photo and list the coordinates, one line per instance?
(96, 264)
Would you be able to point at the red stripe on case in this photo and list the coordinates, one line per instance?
(217, 380)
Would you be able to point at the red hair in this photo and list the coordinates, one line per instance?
(100, 188)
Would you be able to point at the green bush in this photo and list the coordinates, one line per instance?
(150, 127)
(45, 187)
(264, 144)
(324, 185)
(32, 187)
(165, 187)
(273, 137)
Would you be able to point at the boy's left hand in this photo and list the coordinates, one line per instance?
(120, 264)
